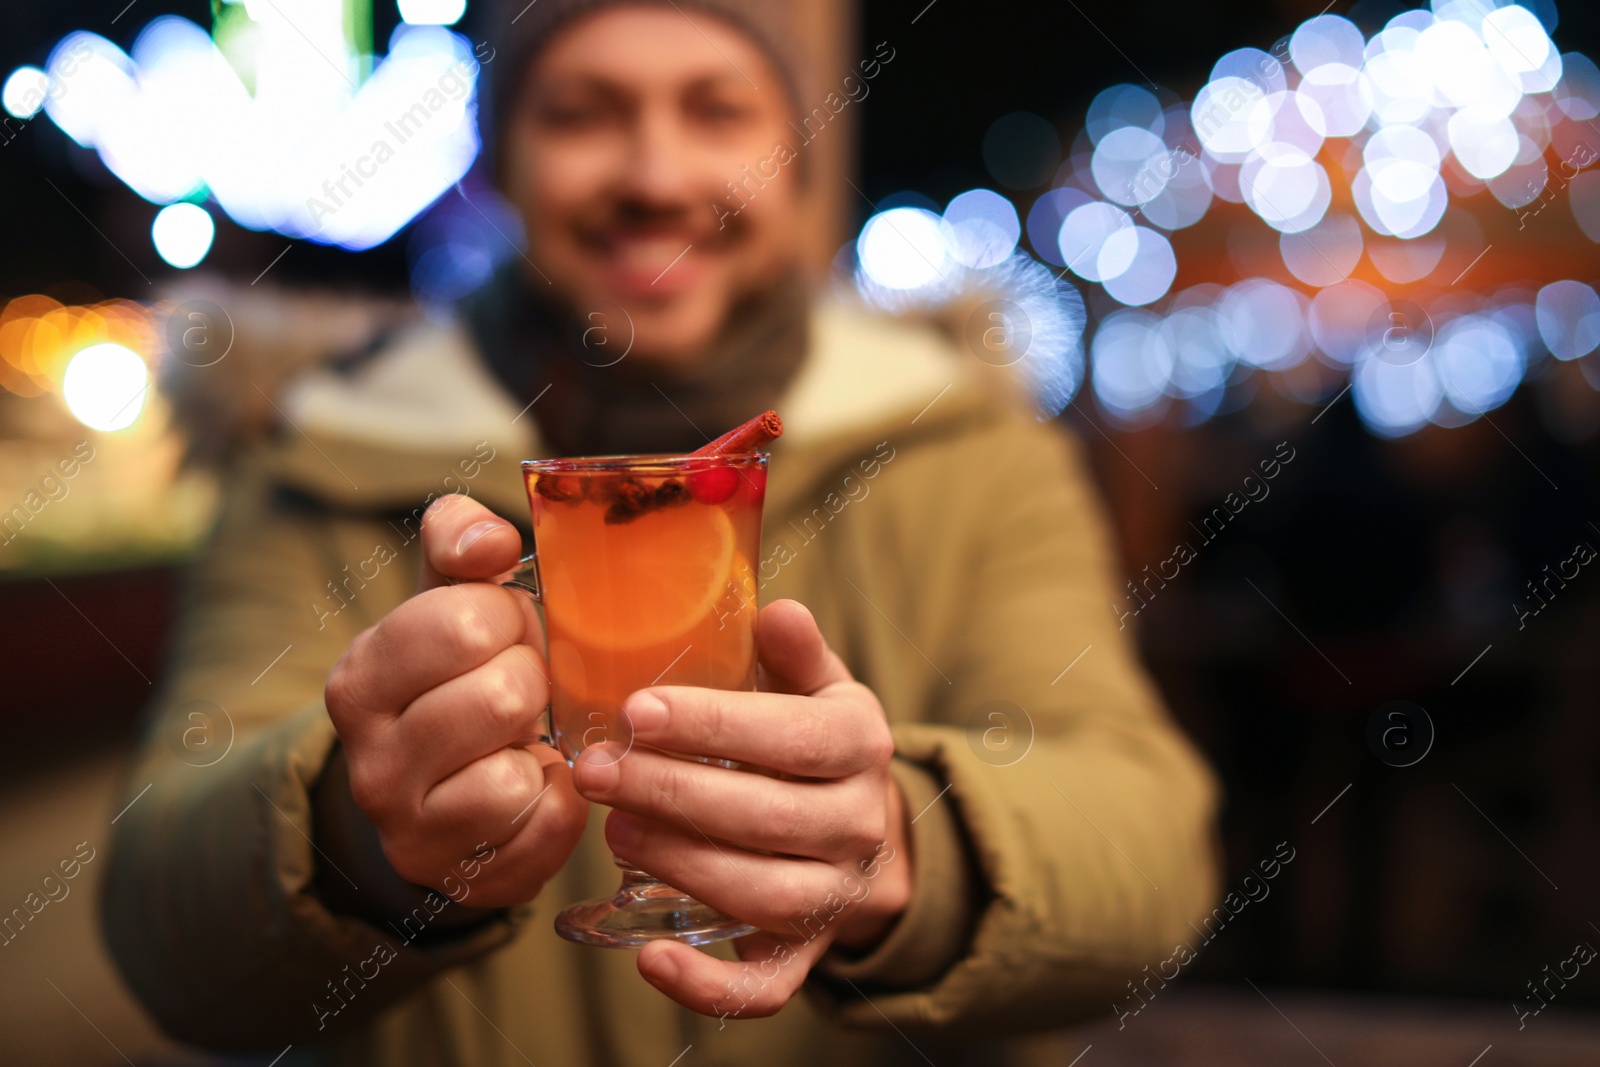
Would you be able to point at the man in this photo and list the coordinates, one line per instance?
(969, 839)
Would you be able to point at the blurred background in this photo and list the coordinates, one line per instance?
(1316, 286)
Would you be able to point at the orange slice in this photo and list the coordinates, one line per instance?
(637, 583)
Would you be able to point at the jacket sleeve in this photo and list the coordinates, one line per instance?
(209, 908)
(1066, 831)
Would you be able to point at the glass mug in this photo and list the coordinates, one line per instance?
(645, 566)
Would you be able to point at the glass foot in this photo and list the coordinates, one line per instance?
(645, 910)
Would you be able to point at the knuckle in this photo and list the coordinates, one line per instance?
(338, 695)
(474, 634)
(672, 788)
(365, 787)
(810, 747)
(712, 723)
(513, 780)
(505, 701)
(784, 818)
(793, 901)
(866, 834)
(878, 744)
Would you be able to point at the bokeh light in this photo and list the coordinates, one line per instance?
(1395, 399)
(1083, 237)
(1478, 363)
(105, 386)
(1356, 160)
(300, 132)
(1138, 265)
(182, 234)
(1132, 363)
(902, 248)
(432, 12)
(24, 92)
(981, 228)
(1569, 319)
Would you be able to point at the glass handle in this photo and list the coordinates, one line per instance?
(526, 577)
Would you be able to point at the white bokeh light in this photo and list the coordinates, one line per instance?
(1126, 165)
(1263, 323)
(1132, 363)
(1569, 319)
(1341, 96)
(902, 248)
(1138, 266)
(1478, 364)
(308, 150)
(24, 92)
(1484, 149)
(1394, 400)
(1516, 39)
(1221, 118)
(432, 12)
(1361, 154)
(981, 228)
(105, 385)
(182, 234)
(1083, 236)
(1326, 39)
(1286, 188)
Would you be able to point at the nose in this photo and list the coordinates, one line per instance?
(659, 168)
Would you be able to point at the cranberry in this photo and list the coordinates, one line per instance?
(713, 486)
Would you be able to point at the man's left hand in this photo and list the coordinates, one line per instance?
(814, 856)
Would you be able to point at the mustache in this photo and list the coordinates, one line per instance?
(696, 219)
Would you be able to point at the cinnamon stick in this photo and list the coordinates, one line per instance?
(753, 436)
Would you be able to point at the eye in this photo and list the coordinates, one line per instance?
(722, 111)
(574, 107)
(718, 110)
(571, 115)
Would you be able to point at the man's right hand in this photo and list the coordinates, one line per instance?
(438, 707)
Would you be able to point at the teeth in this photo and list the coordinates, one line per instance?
(653, 252)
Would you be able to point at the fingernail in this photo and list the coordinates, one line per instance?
(646, 712)
(623, 832)
(472, 534)
(596, 769)
(661, 966)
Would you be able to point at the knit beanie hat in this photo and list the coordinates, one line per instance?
(518, 30)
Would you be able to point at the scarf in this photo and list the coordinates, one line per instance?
(593, 401)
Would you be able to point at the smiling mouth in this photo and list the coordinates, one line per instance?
(657, 262)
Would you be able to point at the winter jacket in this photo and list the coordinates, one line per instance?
(953, 552)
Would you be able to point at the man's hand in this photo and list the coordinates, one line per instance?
(813, 856)
(439, 706)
